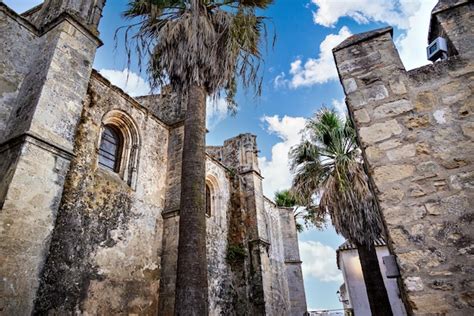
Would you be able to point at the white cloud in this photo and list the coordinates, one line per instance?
(362, 11)
(280, 81)
(321, 69)
(129, 82)
(410, 16)
(319, 261)
(340, 107)
(412, 44)
(276, 170)
(216, 111)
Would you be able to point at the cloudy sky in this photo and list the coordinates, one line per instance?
(300, 77)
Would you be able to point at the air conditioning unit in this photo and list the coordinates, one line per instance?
(437, 49)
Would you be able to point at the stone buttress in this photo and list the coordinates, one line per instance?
(47, 65)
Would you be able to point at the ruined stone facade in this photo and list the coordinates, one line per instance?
(416, 129)
(76, 237)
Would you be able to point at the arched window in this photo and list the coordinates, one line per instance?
(208, 200)
(110, 148)
(118, 146)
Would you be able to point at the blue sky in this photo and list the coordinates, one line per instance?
(299, 78)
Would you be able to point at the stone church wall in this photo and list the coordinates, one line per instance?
(18, 40)
(105, 251)
(41, 76)
(416, 129)
(78, 238)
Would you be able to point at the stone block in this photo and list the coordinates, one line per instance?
(413, 284)
(373, 154)
(380, 131)
(433, 209)
(397, 86)
(389, 144)
(350, 85)
(425, 101)
(400, 153)
(376, 93)
(362, 116)
(392, 173)
(356, 100)
(430, 304)
(468, 129)
(392, 109)
(414, 122)
(464, 180)
(392, 195)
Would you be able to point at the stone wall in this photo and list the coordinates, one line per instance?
(167, 106)
(416, 132)
(279, 303)
(291, 255)
(79, 238)
(105, 252)
(19, 38)
(36, 144)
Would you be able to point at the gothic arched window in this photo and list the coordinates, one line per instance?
(118, 146)
(110, 148)
(208, 200)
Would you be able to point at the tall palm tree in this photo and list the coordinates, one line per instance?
(330, 179)
(200, 48)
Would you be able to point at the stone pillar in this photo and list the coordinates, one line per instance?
(35, 152)
(241, 154)
(293, 262)
(415, 130)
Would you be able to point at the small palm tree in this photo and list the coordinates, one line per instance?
(286, 198)
(200, 48)
(328, 165)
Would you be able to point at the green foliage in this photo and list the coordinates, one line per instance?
(232, 172)
(328, 164)
(208, 43)
(236, 252)
(284, 198)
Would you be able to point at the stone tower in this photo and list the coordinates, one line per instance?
(416, 129)
(47, 66)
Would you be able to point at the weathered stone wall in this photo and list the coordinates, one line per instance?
(221, 292)
(38, 143)
(106, 245)
(279, 296)
(77, 238)
(294, 274)
(167, 106)
(18, 39)
(267, 233)
(416, 131)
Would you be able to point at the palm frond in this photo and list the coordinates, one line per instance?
(329, 165)
(209, 43)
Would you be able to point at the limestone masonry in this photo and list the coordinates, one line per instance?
(416, 129)
(90, 186)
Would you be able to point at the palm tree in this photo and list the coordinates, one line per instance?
(285, 198)
(330, 179)
(200, 48)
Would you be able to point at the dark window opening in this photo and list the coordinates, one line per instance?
(208, 200)
(110, 148)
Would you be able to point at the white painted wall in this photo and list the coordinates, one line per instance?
(352, 271)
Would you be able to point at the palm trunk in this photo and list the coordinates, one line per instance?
(376, 291)
(191, 280)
